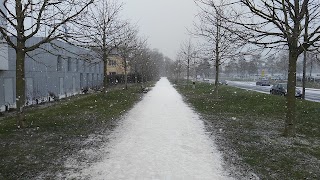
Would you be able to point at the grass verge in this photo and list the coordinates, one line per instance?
(248, 129)
(54, 133)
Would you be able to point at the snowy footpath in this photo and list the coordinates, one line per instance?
(160, 138)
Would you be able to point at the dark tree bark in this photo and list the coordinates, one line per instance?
(291, 100)
(20, 85)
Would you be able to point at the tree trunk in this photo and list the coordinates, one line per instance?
(135, 74)
(305, 38)
(304, 74)
(105, 75)
(20, 85)
(125, 74)
(291, 100)
(188, 69)
(216, 83)
(217, 63)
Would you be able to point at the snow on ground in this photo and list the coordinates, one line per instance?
(160, 138)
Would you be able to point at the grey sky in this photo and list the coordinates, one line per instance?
(163, 22)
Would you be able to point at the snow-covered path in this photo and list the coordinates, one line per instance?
(160, 138)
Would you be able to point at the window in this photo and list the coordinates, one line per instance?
(59, 63)
(77, 65)
(93, 80)
(69, 64)
(85, 66)
(112, 63)
(88, 79)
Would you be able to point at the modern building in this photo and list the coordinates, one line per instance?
(61, 70)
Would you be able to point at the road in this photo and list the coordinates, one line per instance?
(311, 94)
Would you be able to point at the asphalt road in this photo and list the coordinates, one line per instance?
(311, 94)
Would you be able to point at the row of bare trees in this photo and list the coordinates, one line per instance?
(219, 44)
(95, 25)
(291, 25)
(232, 28)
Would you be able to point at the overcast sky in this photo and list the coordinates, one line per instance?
(163, 22)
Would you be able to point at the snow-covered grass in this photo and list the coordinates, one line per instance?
(249, 125)
(57, 131)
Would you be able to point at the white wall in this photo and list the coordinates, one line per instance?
(4, 61)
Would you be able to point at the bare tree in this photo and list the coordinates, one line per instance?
(178, 67)
(128, 44)
(139, 56)
(270, 63)
(214, 29)
(102, 31)
(204, 67)
(188, 52)
(156, 66)
(280, 24)
(281, 63)
(25, 19)
(311, 61)
(141, 62)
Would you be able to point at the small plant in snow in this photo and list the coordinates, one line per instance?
(53, 95)
(85, 90)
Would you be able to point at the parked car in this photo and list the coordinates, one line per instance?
(223, 82)
(281, 89)
(263, 83)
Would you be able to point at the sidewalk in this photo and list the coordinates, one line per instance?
(160, 138)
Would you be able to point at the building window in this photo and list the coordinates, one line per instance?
(93, 80)
(77, 65)
(69, 64)
(85, 66)
(59, 63)
(88, 80)
(112, 63)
